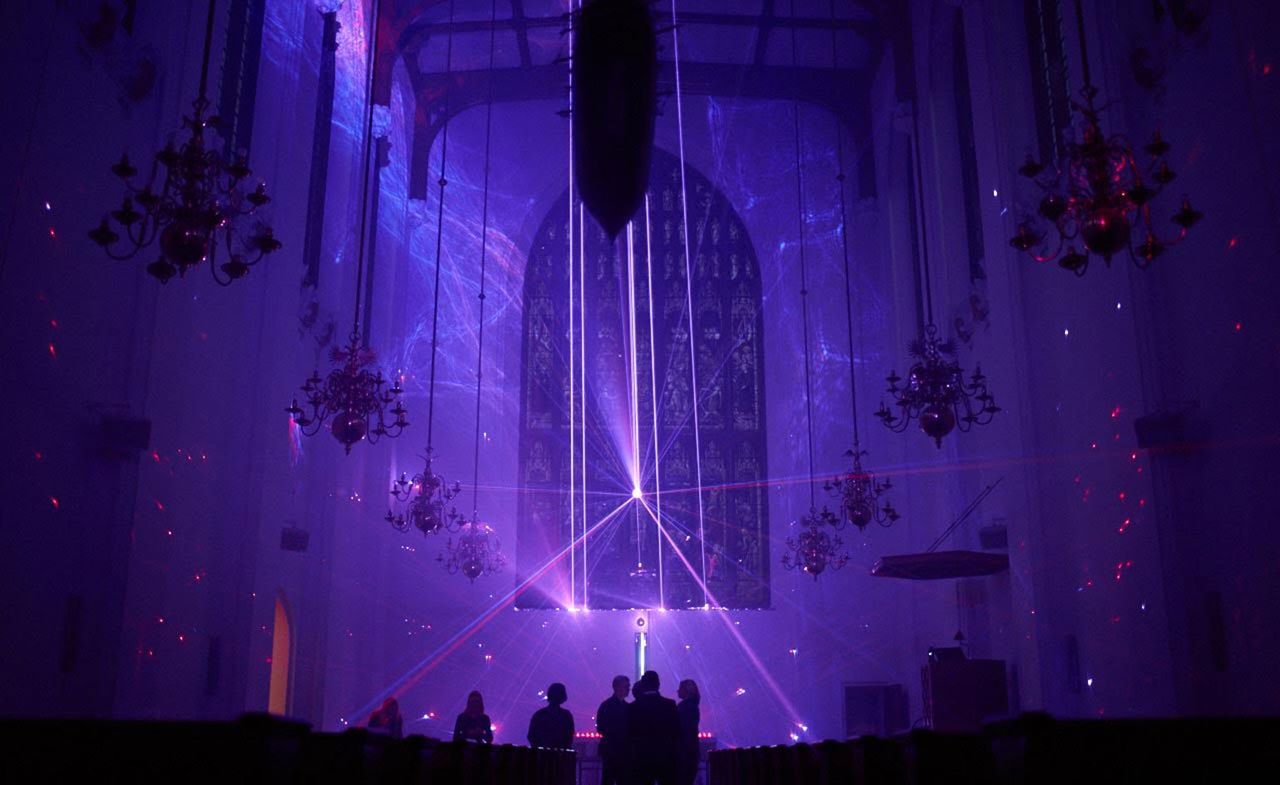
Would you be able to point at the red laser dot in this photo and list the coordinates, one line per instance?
(159, 505)
(1232, 243)
(39, 455)
(1239, 327)
(52, 234)
(54, 501)
(53, 323)
(53, 351)
(1120, 496)
(1266, 69)
(1115, 412)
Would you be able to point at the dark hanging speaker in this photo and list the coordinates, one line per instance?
(615, 64)
(294, 539)
(1161, 430)
(124, 437)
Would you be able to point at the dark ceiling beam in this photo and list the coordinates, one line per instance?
(441, 96)
(419, 32)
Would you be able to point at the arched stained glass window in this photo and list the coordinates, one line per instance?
(599, 464)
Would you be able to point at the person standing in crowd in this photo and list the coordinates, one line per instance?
(387, 719)
(552, 726)
(473, 724)
(611, 722)
(653, 724)
(687, 748)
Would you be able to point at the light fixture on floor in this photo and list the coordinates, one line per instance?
(202, 201)
(1102, 196)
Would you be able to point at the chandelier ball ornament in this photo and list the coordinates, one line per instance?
(817, 546)
(429, 496)
(1099, 202)
(860, 496)
(935, 393)
(356, 402)
(202, 201)
(474, 551)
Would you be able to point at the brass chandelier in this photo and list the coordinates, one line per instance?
(1099, 203)
(201, 202)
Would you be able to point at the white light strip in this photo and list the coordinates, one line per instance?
(582, 363)
(632, 372)
(688, 283)
(653, 395)
(573, 517)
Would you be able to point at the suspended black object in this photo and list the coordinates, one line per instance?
(615, 63)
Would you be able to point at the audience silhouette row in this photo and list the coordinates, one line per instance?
(651, 740)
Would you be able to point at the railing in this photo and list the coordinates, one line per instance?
(259, 749)
(1032, 749)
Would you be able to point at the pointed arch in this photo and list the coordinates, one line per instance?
(632, 410)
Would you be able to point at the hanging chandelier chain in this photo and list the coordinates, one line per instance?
(484, 247)
(804, 285)
(208, 50)
(366, 149)
(918, 205)
(844, 248)
(1084, 48)
(435, 295)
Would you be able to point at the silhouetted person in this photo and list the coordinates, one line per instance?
(387, 719)
(654, 726)
(611, 722)
(687, 746)
(552, 726)
(473, 724)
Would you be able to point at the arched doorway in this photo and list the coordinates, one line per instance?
(600, 462)
(281, 649)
